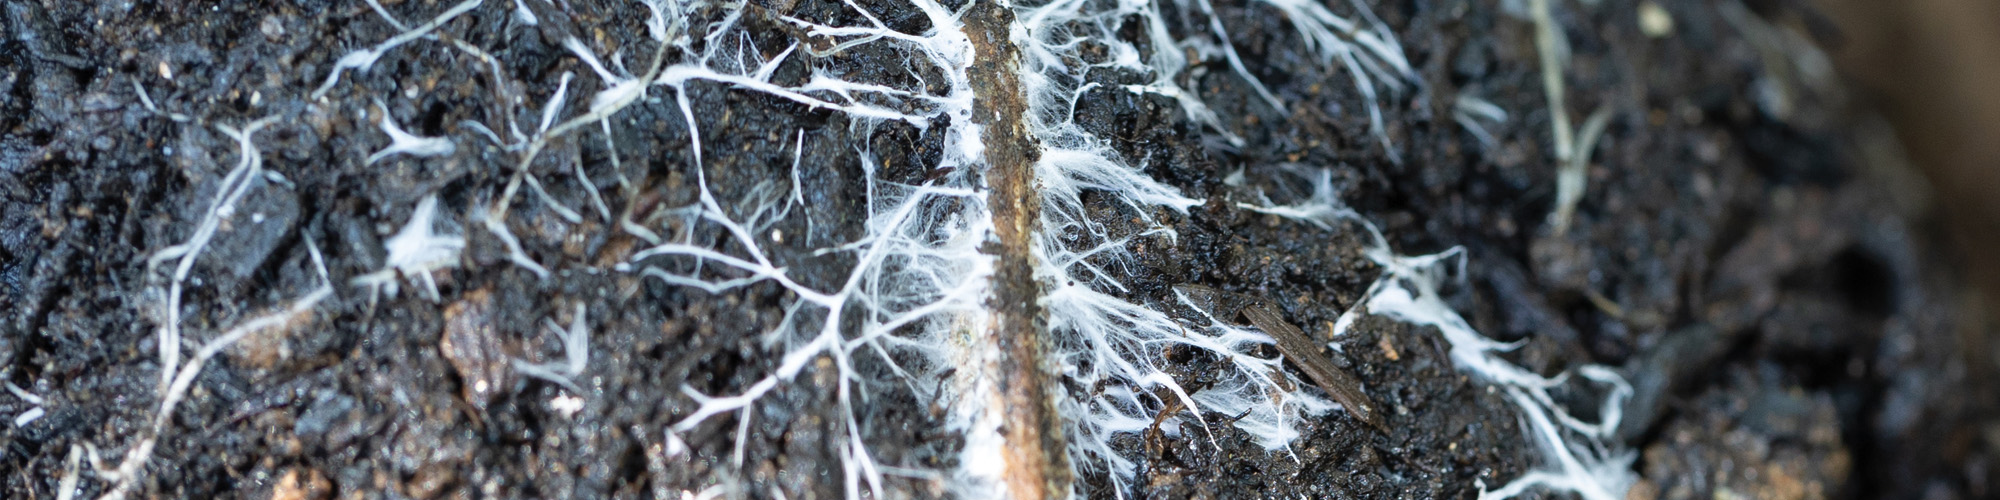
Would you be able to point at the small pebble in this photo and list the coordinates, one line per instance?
(272, 28)
(1654, 21)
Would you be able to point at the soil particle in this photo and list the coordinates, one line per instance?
(307, 485)
(472, 346)
(1755, 440)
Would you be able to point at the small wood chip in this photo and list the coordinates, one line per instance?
(473, 348)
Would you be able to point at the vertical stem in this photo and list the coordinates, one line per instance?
(1036, 462)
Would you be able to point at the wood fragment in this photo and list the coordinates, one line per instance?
(1293, 343)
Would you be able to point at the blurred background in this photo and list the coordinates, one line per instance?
(1932, 68)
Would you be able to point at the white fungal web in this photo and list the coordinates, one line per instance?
(915, 280)
(1063, 40)
(912, 290)
(1579, 456)
(1105, 344)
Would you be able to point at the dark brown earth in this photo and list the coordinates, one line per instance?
(1791, 327)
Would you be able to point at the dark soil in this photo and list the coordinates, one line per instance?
(1789, 327)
